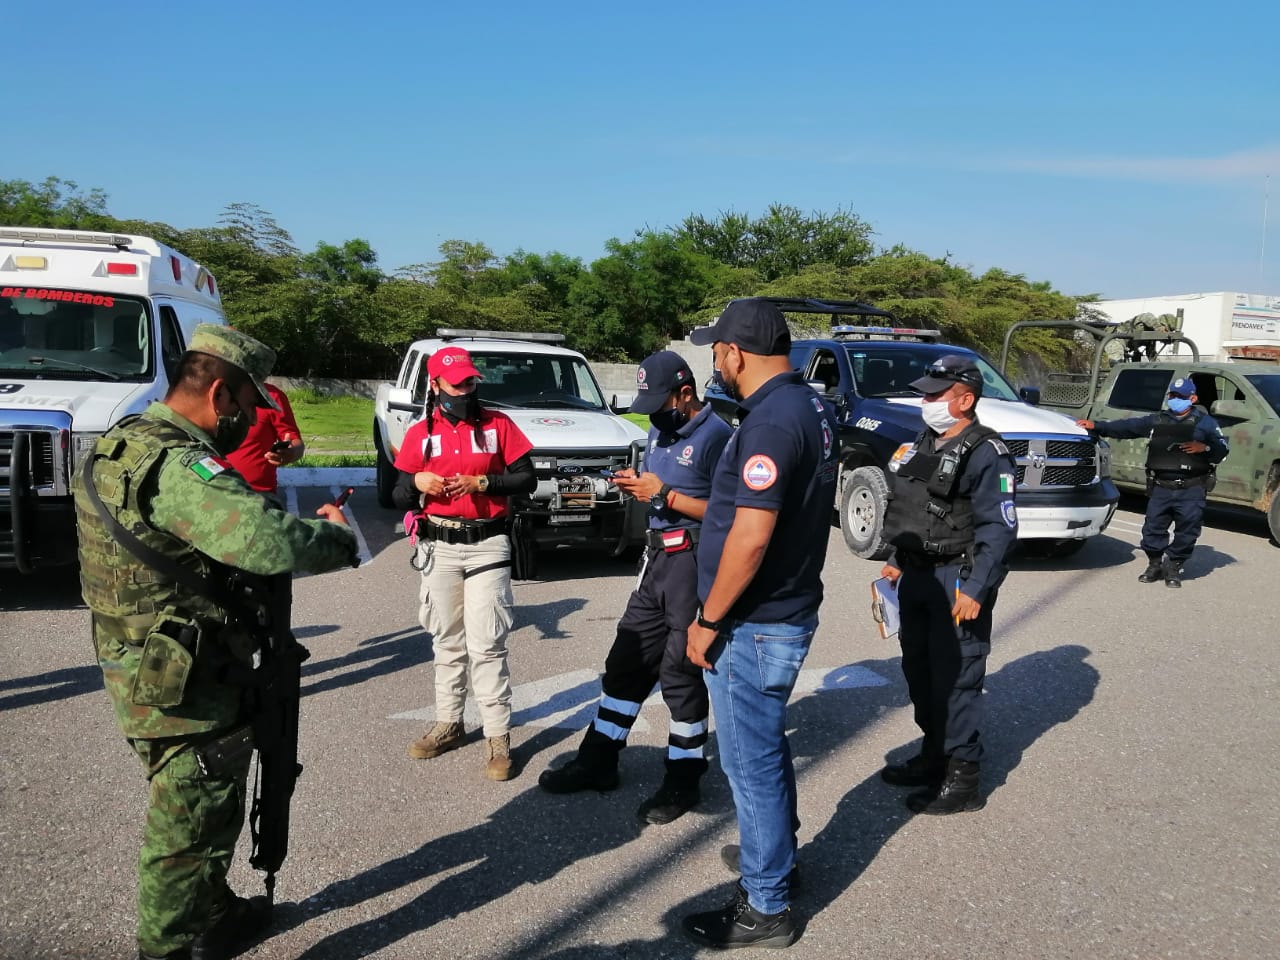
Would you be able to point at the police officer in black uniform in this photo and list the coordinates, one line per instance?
(952, 522)
(685, 441)
(1185, 446)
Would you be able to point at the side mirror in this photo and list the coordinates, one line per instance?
(1230, 409)
(818, 386)
(621, 403)
(1030, 395)
(401, 398)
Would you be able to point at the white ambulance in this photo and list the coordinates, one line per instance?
(92, 326)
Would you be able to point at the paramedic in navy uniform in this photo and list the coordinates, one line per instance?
(685, 441)
(764, 541)
(952, 522)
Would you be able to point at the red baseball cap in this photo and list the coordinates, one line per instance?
(452, 363)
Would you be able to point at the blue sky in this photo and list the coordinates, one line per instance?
(1116, 148)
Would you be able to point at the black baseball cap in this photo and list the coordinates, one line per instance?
(755, 324)
(659, 375)
(943, 372)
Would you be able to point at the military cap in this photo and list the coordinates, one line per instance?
(240, 350)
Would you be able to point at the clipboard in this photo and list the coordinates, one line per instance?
(884, 607)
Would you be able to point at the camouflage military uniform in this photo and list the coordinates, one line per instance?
(160, 476)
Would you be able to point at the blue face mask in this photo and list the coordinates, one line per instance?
(1179, 404)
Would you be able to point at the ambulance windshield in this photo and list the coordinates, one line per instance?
(60, 334)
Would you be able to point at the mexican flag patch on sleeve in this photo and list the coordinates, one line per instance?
(209, 467)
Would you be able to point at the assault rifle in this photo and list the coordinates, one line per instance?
(275, 693)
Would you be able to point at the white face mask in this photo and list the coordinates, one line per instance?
(937, 416)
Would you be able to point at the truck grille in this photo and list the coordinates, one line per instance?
(1053, 461)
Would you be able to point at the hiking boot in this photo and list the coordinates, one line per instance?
(740, 925)
(731, 857)
(498, 765)
(919, 771)
(182, 954)
(579, 774)
(1172, 573)
(1154, 571)
(673, 800)
(958, 794)
(441, 738)
(237, 927)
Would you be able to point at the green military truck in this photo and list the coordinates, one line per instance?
(1130, 372)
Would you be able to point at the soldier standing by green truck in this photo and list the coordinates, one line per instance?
(175, 652)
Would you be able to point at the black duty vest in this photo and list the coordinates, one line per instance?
(1164, 459)
(926, 518)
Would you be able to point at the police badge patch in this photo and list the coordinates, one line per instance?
(1010, 513)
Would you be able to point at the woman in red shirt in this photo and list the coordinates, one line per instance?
(458, 464)
(255, 459)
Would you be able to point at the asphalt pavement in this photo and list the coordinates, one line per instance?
(1132, 770)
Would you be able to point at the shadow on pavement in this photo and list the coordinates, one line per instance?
(57, 588)
(381, 655)
(54, 685)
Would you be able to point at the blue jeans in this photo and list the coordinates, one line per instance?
(754, 668)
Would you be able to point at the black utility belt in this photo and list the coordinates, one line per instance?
(929, 559)
(456, 530)
(1181, 483)
(672, 539)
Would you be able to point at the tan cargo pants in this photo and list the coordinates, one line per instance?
(466, 607)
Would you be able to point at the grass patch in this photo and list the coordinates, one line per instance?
(333, 426)
(336, 460)
(641, 420)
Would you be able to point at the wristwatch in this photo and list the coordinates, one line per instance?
(706, 624)
(483, 483)
(659, 499)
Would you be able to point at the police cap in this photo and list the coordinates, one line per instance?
(943, 372)
(659, 375)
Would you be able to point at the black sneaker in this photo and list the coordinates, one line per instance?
(740, 925)
(242, 921)
(578, 775)
(671, 802)
(731, 857)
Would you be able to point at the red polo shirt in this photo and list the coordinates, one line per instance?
(250, 458)
(451, 449)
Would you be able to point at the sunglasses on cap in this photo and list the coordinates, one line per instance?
(942, 372)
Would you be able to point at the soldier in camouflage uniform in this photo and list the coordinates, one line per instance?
(166, 652)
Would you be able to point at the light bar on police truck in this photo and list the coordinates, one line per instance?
(842, 328)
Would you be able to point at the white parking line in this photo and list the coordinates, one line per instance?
(568, 700)
(362, 548)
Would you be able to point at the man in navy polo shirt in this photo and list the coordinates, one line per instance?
(685, 441)
(764, 541)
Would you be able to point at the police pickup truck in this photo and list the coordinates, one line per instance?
(1130, 371)
(553, 397)
(92, 327)
(1064, 494)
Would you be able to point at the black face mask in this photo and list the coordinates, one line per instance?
(669, 420)
(464, 406)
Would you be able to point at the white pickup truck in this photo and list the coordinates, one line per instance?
(552, 395)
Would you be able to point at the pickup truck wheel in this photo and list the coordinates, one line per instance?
(385, 474)
(862, 507)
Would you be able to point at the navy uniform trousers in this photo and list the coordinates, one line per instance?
(944, 664)
(1185, 510)
(650, 647)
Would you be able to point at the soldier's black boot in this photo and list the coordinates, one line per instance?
(1155, 569)
(678, 794)
(959, 792)
(919, 771)
(183, 954)
(238, 926)
(1172, 573)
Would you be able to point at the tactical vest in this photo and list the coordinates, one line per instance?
(926, 518)
(1164, 458)
(124, 594)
